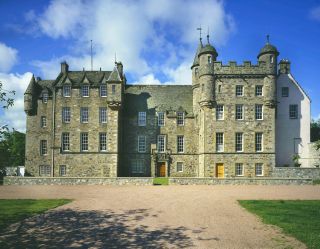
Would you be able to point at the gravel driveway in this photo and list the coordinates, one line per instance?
(151, 217)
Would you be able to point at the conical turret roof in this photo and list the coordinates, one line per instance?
(196, 57)
(31, 85)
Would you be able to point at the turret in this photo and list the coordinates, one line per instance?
(207, 56)
(269, 55)
(28, 96)
(115, 85)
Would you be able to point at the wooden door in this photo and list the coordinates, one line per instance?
(220, 170)
(162, 169)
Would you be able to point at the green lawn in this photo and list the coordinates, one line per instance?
(300, 219)
(12, 211)
(161, 181)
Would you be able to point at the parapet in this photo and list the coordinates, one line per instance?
(262, 68)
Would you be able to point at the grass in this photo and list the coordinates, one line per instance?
(161, 181)
(300, 219)
(12, 211)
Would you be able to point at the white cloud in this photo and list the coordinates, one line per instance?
(15, 116)
(315, 13)
(8, 57)
(149, 36)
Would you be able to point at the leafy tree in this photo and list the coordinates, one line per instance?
(6, 101)
(12, 149)
(315, 130)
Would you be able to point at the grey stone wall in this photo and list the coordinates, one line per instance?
(292, 172)
(77, 181)
(239, 181)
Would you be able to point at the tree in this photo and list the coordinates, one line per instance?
(6, 101)
(315, 130)
(12, 149)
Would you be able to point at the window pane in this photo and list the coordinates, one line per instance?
(43, 121)
(65, 142)
(219, 142)
(285, 91)
(259, 169)
(239, 169)
(259, 112)
(103, 91)
(161, 143)
(84, 114)
(103, 142)
(239, 90)
(66, 91)
(142, 119)
(180, 118)
(85, 91)
(258, 90)
(103, 115)
(138, 166)
(258, 140)
(141, 144)
(160, 118)
(293, 111)
(180, 144)
(239, 141)
(84, 141)
(239, 112)
(66, 115)
(62, 170)
(219, 112)
(43, 147)
(45, 97)
(179, 167)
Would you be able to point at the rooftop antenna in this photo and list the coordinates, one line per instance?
(200, 29)
(91, 57)
(268, 38)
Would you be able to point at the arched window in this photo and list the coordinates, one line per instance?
(271, 59)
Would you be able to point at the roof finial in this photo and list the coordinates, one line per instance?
(268, 37)
(208, 36)
(115, 58)
(200, 29)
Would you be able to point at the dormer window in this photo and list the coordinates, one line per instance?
(103, 90)
(45, 97)
(85, 91)
(66, 91)
(180, 118)
(209, 59)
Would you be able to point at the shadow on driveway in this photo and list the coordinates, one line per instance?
(66, 228)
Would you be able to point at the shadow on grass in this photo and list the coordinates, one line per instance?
(86, 229)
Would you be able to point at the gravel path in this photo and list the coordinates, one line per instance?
(151, 217)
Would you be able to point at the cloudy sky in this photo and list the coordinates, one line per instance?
(155, 39)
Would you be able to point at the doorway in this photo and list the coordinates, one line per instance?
(219, 170)
(161, 169)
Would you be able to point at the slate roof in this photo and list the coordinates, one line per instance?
(208, 49)
(268, 48)
(158, 98)
(196, 57)
(77, 77)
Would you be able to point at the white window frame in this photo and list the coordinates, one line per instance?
(180, 118)
(293, 111)
(239, 169)
(239, 112)
(43, 121)
(142, 118)
(142, 143)
(43, 147)
(103, 115)
(62, 170)
(66, 114)
(84, 141)
(44, 170)
(219, 142)
(179, 164)
(258, 141)
(66, 91)
(258, 112)
(103, 141)
(85, 91)
(180, 144)
(220, 112)
(65, 141)
(256, 169)
(84, 115)
(138, 166)
(161, 143)
(161, 121)
(239, 142)
(239, 91)
(103, 90)
(259, 90)
(45, 97)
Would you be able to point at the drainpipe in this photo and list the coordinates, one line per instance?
(53, 131)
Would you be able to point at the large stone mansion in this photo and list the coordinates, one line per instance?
(233, 121)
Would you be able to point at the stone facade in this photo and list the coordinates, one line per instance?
(175, 133)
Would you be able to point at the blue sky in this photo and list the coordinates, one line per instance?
(155, 39)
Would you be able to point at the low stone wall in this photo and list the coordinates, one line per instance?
(78, 181)
(239, 181)
(292, 172)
